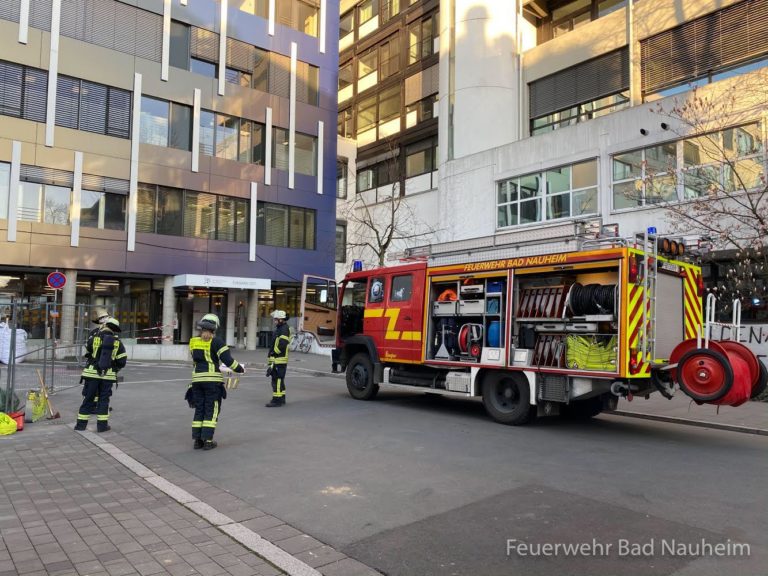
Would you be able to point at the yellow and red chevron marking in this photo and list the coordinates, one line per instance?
(693, 313)
(636, 323)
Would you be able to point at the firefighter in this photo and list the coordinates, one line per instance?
(277, 359)
(106, 356)
(208, 351)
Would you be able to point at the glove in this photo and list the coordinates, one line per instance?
(269, 371)
(189, 397)
(240, 369)
(222, 391)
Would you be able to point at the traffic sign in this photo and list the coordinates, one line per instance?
(56, 280)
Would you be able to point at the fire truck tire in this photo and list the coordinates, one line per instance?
(582, 409)
(506, 398)
(360, 378)
(704, 375)
(759, 388)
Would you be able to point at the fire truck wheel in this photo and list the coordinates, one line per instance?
(360, 378)
(506, 398)
(759, 388)
(582, 409)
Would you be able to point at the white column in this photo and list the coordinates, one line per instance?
(74, 216)
(253, 215)
(134, 172)
(67, 333)
(223, 47)
(169, 310)
(13, 190)
(53, 72)
(253, 320)
(196, 130)
(229, 337)
(323, 17)
(268, 151)
(24, 21)
(271, 28)
(165, 58)
(320, 137)
(292, 119)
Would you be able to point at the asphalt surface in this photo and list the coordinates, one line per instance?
(413, 484)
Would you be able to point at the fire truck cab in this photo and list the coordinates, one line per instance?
(555, 333)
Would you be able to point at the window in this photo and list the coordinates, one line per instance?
(44, 203)
(421, 38)
(420, 111)
(389, 55)
(561, 192)
(207, 132)
(257, 143)
(342, 172)
(421, 157)
(280, 152)
(346, 29)
(256, 7)
(179, 48)
(389, 8)
(203, 67)
(577, 94)
(305, 154)
(238, 77)
(389, 104)
(301, 15)
(644, 176)
(684, 54)
(102, 210)
(341, 243)
(192, 214)
(345, 125)
(573, 14)
(366, 64)
(227, 136)
(165, 123)
(23, 92)
(5, 185)
(346, 80)
(231, 138)
(366, 179)
(285, 226)
(401, 288)
(83, 105)
(367, 10)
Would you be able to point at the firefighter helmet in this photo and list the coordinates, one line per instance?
(99, 314)
(112, 323)
(279, 315)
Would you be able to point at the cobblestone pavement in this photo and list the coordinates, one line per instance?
(69, 508)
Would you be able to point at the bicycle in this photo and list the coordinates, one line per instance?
(302, 342)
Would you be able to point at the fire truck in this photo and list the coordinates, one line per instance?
(547, 333)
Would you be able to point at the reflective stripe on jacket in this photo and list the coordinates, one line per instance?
(93, 347)
(206, 357)
(278, 354)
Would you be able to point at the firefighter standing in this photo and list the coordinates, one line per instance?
(208, 351)
(106, 356)
(277, 359)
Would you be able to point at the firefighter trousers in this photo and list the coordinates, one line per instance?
(278, 383)
(96, 394)
(207, 399)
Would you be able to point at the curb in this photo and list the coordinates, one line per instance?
(696, 423)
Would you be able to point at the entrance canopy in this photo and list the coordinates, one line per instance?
(205, 281)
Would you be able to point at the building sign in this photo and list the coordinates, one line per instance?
(205, 281)
(753, 336)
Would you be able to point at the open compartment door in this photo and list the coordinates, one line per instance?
(319, 301)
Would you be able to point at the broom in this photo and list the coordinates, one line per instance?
(44, 391)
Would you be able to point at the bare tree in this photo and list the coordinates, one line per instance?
(381, 221)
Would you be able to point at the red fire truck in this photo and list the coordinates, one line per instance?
(553, 333)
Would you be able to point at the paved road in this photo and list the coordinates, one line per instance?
(417, 485)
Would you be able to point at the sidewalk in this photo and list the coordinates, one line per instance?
(751, 417)
(76, 504)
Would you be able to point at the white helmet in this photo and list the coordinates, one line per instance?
(279, 315)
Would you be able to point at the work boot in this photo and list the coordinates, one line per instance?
(103, 427)
(198, 444)
(81, 425)
(274, 403)
(209, 445)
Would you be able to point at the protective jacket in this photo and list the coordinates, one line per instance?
(278, 354)
(206, 357)
(105, 356)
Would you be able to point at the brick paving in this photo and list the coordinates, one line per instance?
(68, 508)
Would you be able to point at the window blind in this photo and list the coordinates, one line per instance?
(590, 80)
(717, 41)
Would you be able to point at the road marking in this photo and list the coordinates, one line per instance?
(245, 536)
